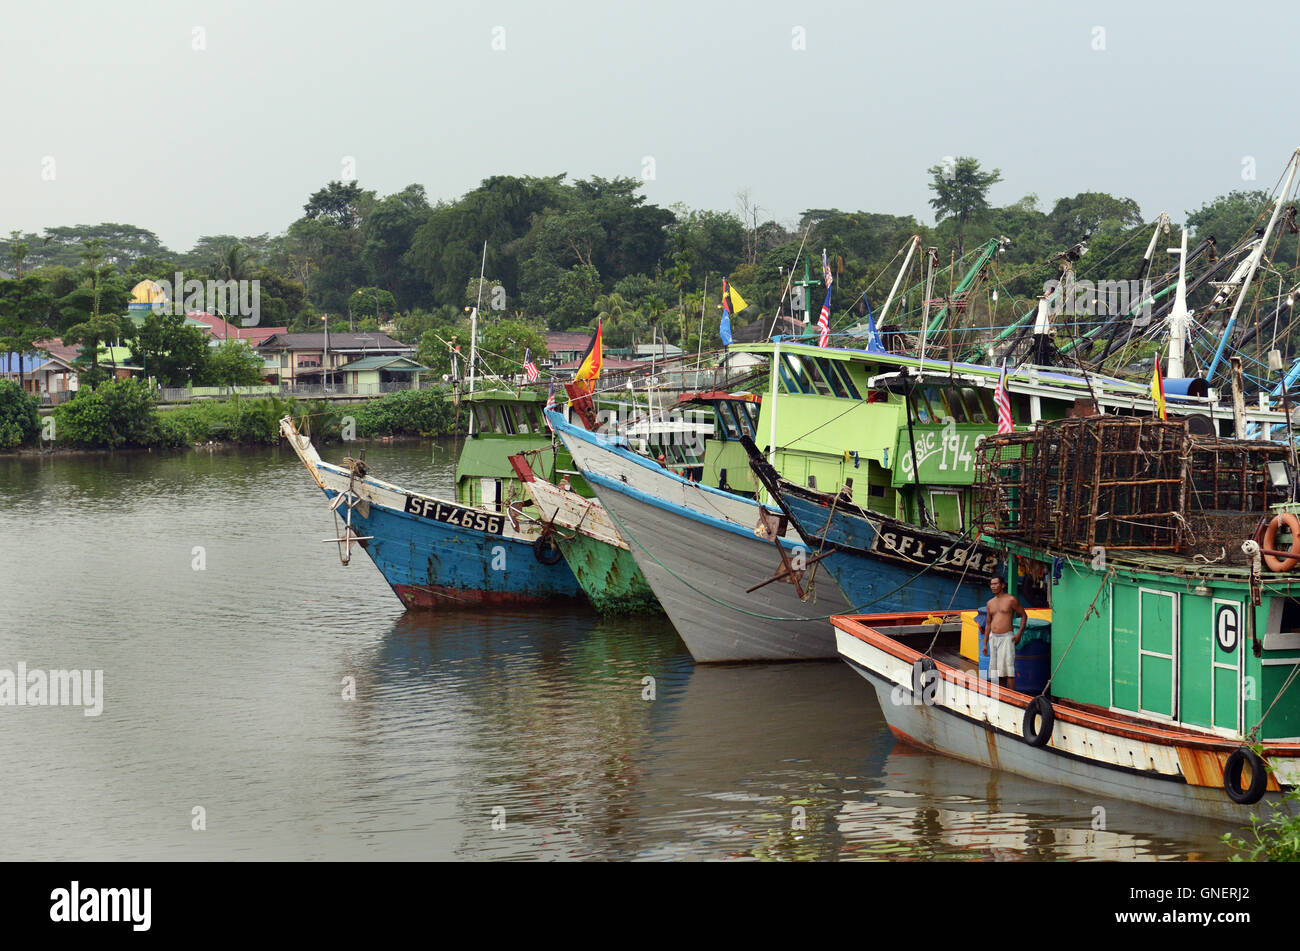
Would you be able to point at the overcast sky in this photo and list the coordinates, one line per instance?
(112, 113)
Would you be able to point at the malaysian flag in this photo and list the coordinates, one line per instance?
(824, 322)
(826, 268)
(530, 368)
(1003, 402)
(550, 404)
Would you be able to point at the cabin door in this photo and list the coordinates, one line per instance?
(1225, 665)
(490, 489)
(1157, 651)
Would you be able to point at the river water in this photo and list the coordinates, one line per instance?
(230, 640)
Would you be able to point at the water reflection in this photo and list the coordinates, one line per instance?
(295, 702)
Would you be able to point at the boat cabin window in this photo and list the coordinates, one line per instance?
(745, 418)
(484, 416)
(927, 407)
(519, 415)
(812, 366)
(794, 377)
(730, 428)
(832, 377)
(952, 405)
(748, 410)
(846, 382)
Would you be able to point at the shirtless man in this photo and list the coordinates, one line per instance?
(1002, 609)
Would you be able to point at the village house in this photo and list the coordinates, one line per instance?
(315, 358)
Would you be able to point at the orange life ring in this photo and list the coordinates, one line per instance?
(1270, 538)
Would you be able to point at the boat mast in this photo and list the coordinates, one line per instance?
(776, 368)
(912, 245)
(1253, 264)
(931, 259)
(1179, 317)
(473, 331)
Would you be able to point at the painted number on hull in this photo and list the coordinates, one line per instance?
(920, 549)
(455, 515)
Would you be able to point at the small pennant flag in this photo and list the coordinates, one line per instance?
(826, 269)
(1002, 400)
(824, 322)
(724, 326)
(1158, 392)
(874, 343)
(530, 368)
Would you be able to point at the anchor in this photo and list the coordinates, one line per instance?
(772, 525)
(348, 500)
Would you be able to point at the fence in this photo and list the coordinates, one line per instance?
(185, 394)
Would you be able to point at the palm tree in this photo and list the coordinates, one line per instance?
(234, 264)
(617, 314)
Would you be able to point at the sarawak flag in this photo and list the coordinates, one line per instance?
(589, 368)
(1158, 391)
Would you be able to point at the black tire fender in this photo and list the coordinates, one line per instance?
(1237, 759)
(1039, 707)
(546, 551)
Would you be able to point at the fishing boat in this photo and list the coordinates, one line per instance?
(1175, 625)
(438, 553)
(735, 581)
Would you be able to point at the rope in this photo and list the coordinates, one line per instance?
(1086, 614)
(1252, 737)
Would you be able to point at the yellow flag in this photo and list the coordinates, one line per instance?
(1158, 391)
(737, 302)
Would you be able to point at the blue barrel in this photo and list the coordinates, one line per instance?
(1033, 653)
(1034, 657)
(982, 619)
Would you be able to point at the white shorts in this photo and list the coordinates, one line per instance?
(1002, 655)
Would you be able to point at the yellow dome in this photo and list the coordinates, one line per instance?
(147, 292)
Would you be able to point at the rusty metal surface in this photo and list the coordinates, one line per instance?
(1123, 483)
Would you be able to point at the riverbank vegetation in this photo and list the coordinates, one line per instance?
(123, 414)
(561, 254)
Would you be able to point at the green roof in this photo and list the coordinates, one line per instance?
(393, 364)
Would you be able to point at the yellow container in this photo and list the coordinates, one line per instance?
(970, 632)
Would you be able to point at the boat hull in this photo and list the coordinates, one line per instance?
(597, 556)
(609, 576)
(434, 553)
(981, 723)
(873, 579)
(431, 565)
(700, 568)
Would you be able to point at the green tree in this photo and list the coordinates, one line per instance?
(504, 342)
(19, 421)
(169, 350)
(94, 305)
(960, 191)
(619, 320)
(388, 235)
(118, 413)
(366, 301)
(1228, 217)
(1087, 213)
(24, 307)
(231, 363)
